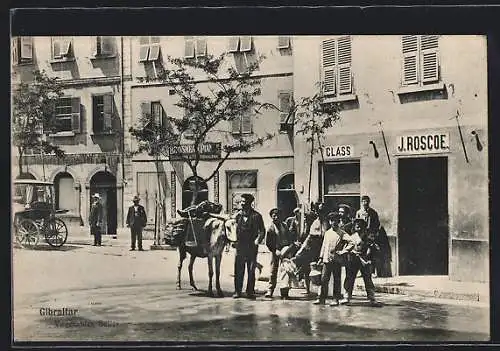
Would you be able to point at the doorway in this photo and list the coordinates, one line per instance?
(104, 183)
(287, 198)
(423, 216)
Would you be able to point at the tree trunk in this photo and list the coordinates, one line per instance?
(310, 172)
(20, 161)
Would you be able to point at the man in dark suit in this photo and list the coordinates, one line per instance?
(95, 219)
(250, 232)
(136, 220)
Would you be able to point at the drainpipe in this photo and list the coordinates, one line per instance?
(123, 128)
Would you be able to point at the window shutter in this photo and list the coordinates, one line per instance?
(284, 104)
(329, 62)
(75, 115)
(107, 45)
(283, 42)
(246, 123)
(108, 112)
(410, 59)
(96, 46)
(189, 47)
(344, 65)
(235, 125)
(201, 47)
(144, 49)
(146, 108)
(56, 48)
(429, 58)
(15, 51)
(27, 48)
(154, 53)
(246, 44)
(234, 44)
(65, 47)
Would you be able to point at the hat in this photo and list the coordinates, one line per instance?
(360, 221)
(365, 197)
(333, 215)
(273, 211)
(97, 196)
(248, 197)
(136, 198)
(345, 207)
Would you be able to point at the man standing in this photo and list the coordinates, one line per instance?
(95, 219)
(250, 232)
(136, 220)
(331, 255)
(277, 238)
(293, 225)
(345, 219)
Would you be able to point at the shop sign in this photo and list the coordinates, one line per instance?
(208, 151)
(338, 151)
(424, 143)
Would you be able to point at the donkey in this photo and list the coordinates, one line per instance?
(214, 229)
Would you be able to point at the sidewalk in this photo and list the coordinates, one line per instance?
(425, 286)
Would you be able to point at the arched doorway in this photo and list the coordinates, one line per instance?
(287, 197)
(104, 183)
(188, 189)
(65, 192)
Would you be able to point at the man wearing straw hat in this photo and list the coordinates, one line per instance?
(95, 219)
(136, 220)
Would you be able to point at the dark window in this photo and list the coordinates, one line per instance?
(341, 184)
(102, 113)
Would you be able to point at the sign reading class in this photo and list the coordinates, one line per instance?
(338, 151)
(425, 143)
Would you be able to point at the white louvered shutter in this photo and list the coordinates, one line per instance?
(246, 44)
(56, 48)
(235, 125)
(27, 48)
(234, 44)
(108, 112)
(328, 64)
(201, 47)
(189, 47)
(75, 115)
(283, 42)
(429, 58)
(65, 47)
(144, 49)
(344, 57)
(410, 59)
(107, 45)
(246, 123)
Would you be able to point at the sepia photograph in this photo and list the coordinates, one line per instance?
(250, 188)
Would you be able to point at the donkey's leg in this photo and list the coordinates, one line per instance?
(218, 259)
(210, 259)
(182, 257)
(190, 270)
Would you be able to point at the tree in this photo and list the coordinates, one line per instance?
(33, 106)
(224, 96)
(313, 117)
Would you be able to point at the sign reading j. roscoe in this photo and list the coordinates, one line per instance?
(425, 143)
(208, 151)
(338, 151)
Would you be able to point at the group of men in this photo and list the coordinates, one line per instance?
(136, 221)
(347, 242)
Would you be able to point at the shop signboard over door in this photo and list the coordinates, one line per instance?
(337, 151)
(423, 143)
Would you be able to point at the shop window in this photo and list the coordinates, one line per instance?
(195, 47)
(65, 192)
(102, 107)
(340, 184)
(62, 48)
(336, 66)
(238, 183)
(103, 47)
(22, 50)
(67, 115)
(420, 59)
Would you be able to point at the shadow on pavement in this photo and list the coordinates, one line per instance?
(50, 248)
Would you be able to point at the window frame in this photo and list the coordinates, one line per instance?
(101, 54)
(333, 70)
(18, 44)
(109, 118)
(65, 116)
(149, 45)
(339, 194)
(288, 43)
(235, 191)
(420, 81)
(62, 41)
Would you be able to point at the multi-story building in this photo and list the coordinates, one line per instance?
(412, 135)
(267, 171)
(91, 124)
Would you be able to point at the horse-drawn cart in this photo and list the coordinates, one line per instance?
(35, 214)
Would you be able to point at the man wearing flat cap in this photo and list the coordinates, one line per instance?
(250, 232)
(95, 219)
(277, 241)
(136, 220)
(345, 219)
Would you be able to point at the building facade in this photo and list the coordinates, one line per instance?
(91, 124)
(412, 135)
(266, 171)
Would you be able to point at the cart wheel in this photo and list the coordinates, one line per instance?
(56, 232)
(27, 233)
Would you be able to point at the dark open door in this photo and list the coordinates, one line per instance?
(423, 216)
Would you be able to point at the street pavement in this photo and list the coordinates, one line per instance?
(131, 296)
